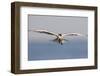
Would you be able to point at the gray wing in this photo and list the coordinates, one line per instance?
(73, 34)
(45, 32)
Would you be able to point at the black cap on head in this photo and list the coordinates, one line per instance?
(60, 34)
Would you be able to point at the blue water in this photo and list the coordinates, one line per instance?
(48, 50)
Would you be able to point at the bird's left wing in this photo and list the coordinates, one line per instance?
(44, 31)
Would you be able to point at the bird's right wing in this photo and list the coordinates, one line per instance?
(72, 34)
(44, 31)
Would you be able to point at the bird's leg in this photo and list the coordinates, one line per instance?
(60, 41)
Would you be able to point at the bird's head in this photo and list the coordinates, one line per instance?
(60, 34)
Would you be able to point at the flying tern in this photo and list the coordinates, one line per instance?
(59, 37)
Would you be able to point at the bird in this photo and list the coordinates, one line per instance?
(59, 37)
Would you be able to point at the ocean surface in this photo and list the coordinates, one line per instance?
(48, 50)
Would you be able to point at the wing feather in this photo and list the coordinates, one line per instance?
(44, 31)
(72, 34)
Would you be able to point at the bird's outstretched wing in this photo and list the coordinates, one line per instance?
(72, 34)
(44, 31)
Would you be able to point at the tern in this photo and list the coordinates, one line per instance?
(59, 37)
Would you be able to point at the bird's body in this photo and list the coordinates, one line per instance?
(59, 37)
